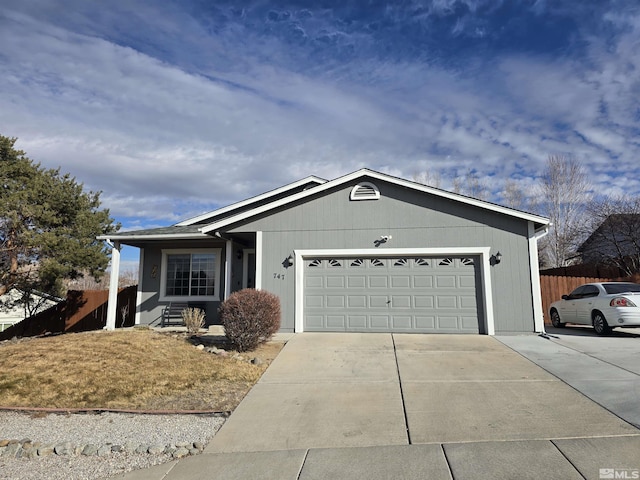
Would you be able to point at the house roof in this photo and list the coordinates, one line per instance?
(613, 220)
(245, 204)
(202, 225)
(539, 222)
(163, 233)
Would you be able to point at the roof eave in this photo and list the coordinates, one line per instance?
(257, 198)
(167, 236)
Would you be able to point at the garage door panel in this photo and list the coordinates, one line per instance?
(315, 321)
(357, 321)
(421, 301)
(380, 321)
(445, 281)
(467, 281)
(378, 282)
(425, 323)
(467, 301)
(314, 301)
(336, 321)
(447, 323)
(403, 301)
(402, 322)
(446, 301)
(469, 323)
(377, 301)
(422, 281)
(313, 282)
(403, 294)
(401, 282)
(335, 301)
(356, 281)
(335, 282)
(357, 301)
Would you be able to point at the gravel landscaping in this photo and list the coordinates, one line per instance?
(96, 445)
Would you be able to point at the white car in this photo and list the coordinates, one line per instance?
(603, 305)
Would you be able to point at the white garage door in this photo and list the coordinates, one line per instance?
(400, 294)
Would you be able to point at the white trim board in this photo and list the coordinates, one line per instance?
(536, 292)
(248, 201)
(485, 273)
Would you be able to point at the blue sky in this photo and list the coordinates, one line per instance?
(173, 108)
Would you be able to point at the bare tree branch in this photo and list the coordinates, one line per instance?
(564, 193)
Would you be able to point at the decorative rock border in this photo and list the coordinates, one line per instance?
(27, 449)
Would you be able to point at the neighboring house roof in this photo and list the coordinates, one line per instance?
(15, 312)
(611, 222)
(201, 226)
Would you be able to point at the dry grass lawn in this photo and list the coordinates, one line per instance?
(132, 369)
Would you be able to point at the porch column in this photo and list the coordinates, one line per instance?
(258, 279)
(112, 306)
(228, 263)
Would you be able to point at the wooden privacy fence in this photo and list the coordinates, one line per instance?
(80, 312)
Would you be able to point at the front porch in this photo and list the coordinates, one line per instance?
(194, 270)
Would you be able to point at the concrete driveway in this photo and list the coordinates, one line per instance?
(381, 406)
(605, 369)
(353, 390)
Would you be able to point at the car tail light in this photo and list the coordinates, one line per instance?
(621, 302)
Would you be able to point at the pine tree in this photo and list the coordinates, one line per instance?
(48, 226)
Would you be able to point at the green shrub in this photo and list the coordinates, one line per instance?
(193, 318)
(250, 317)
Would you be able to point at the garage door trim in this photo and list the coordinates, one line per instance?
(482, 252)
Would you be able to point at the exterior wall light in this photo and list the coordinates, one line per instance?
(289, 261)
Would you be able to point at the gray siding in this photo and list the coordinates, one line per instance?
(414, 220)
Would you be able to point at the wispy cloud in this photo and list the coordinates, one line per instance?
(173, 108)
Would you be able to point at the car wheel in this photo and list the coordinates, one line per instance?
(600, 324)
(555, 320)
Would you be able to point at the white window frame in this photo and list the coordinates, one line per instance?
(203, 298)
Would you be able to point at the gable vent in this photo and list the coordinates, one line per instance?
(365, 191)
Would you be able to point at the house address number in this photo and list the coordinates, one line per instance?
(279, 276)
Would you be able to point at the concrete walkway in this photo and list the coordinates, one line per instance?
(409, 406)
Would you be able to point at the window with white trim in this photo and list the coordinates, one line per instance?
(190, 274)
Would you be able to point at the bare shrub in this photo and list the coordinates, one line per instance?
(194, 320)
(250, 317)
